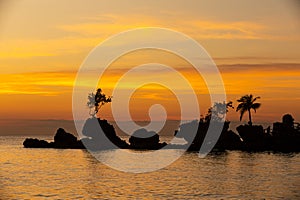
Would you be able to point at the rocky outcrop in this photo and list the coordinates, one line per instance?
(101, 135)
(62, 140)
(36, 143)
(254, 138)
(195, 132)
(285, 137)
(143, 139)
(229, 140)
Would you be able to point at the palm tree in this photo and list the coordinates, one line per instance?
(246, 104)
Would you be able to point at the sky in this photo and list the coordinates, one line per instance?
(255, 45)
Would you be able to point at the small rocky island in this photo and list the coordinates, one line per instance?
(285, 137)
(99, 134)
(62, 140)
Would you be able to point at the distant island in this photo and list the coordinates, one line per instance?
(98, 140)
(99, 134)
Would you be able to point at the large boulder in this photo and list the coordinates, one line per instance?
(101, 135)
(62, 139)
(143, 139)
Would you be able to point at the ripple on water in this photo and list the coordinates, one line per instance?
(75, 174)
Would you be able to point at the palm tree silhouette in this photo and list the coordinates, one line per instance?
(246, 104)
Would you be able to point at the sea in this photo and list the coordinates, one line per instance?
(77, 174)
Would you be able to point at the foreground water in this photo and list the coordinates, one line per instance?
(75, 174)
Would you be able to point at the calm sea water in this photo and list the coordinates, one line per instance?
(75, 174)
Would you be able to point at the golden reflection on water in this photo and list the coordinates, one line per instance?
(75, 174)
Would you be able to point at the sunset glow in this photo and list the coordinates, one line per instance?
(43, 44)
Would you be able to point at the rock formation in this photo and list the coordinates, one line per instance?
(143, 139)
(62, 140)
(101, 135)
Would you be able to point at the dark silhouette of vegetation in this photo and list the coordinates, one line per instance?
(96, 101)
(218, 111)
(247, 103)
(286, 135)
(288, 120)
(99, 134)
(215, 117)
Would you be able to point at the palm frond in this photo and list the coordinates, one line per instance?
(239, 107)
(255, 106)
(255, 99)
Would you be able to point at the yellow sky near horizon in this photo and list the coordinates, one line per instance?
(43, 43)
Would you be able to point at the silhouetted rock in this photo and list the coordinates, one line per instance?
(36, 143)
(101, 135)
(65, 140)
(191, 133)
(195, 132)
(229, 141)
(286, 127)
(286, 137)
(62, 140)
(288, 120)
(254, 138)
(143, 139)
(286, 143)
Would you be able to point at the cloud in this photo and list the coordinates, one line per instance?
(285, 68)
(47, 83)
(74, 37)
(196, 28)
(108, 24)
(29, 48)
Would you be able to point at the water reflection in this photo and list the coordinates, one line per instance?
(69, 174)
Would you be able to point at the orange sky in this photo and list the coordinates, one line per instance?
(256, 46)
